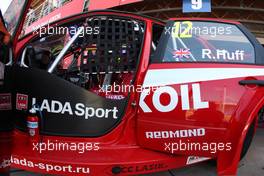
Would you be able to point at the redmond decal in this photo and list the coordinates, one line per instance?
(79, 109)
(196, 159)
(185, 99)
(21, 102)
(175, 134)
(5, 102)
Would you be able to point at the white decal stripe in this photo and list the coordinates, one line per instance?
(163, 77)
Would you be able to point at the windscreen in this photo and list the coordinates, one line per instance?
(197, 41)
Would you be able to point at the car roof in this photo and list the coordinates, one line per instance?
(204, 19)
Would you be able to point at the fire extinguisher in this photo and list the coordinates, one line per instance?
(33, 124)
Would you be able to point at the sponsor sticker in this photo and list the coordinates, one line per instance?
(79, 109)
(195, 100)
(175, 134)
(115, 97)
(196, 159)
(139, 168)
(182, 29)
(182, 53)
(223, 55)
(5, 102)
(21, 102)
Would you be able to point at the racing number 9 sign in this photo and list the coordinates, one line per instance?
(196, 6)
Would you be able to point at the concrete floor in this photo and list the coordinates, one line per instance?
(251, 165)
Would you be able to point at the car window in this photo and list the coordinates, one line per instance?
(106, 53)
(196, 41)
(156, 34)
(13, 15)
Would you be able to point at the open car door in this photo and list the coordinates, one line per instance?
(67, 78)
(73, 71)
(202, 91)
(14, 21)
(14, 24)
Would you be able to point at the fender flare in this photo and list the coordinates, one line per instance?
(227, 162)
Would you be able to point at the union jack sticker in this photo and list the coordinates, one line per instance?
(182, 53)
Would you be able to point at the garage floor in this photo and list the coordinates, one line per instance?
(251, 165)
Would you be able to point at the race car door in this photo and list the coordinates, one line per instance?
(13, 20)
(191, 88)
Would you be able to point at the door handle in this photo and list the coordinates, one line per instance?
(134, 104)
(251, 82)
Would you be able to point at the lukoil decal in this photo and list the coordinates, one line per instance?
(183, 76)
(79, 109)
(184, 90)
(175, 134)
(192, 75)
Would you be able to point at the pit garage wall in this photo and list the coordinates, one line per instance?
(261, 40)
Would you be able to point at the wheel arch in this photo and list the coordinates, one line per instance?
(245, 115)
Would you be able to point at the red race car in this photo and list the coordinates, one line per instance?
(115, 93)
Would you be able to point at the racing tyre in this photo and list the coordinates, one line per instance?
(248, 140)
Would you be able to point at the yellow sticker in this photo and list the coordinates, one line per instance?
(177, 31)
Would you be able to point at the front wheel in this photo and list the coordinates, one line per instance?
(248, 140)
